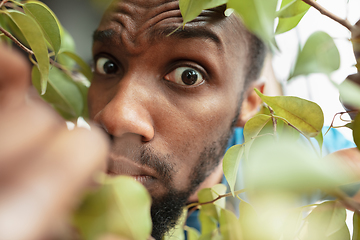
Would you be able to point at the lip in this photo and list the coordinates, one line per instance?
(118, 165)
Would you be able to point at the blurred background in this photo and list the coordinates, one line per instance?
(81, 17)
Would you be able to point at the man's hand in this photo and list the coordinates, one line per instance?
(43, 166)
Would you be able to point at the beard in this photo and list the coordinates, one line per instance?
(166, 210)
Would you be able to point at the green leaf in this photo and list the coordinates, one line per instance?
(286, 24)
(356, 130)
(14, 30)
(258, 16)
(231, 165)
(252, 129)
(192, 233)
(62, 93)
(305, 115)
(209, 215)
(46, 19)
(326, 221)
(68, 45)
(84, 67)
(121, 206)
(36, 40)
(292, 224)
(190, 9)
(289, 166)
(291, 8)
(319, 55)
(349, 93)
(356, 226)
(230, 226)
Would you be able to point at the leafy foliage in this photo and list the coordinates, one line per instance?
(282, 167)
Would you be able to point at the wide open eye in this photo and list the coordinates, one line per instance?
(106, 66)
(185, 76)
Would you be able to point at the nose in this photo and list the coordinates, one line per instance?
(127, 112)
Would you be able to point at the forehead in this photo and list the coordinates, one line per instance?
(133, 23)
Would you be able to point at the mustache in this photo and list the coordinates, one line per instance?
(160, 163)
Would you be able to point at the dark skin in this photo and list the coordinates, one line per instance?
(143, 105)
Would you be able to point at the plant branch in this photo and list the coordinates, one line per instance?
(2, 3)
(6, 33)
(218, 198)
(329, 14)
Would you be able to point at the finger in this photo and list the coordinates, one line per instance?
(51, 185)
(14, 77)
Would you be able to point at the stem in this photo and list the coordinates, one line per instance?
(212, 201)
(2, 3)
(325, 12)
(273, 119)
(6, 33)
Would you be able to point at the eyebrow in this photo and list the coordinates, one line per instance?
(187, 32)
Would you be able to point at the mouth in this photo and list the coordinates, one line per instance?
(124, 166)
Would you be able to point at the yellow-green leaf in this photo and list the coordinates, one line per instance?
(326, 221)
(46, 19)
(208, 214)
(230, 226)
(305, 115)
(248, 220)
(319, 55)
(286, 24)
(231, 164)
(121, 206)
(63, 93)
(33, 34)
(257, 15)
(190, 9)
(349, 93)
(192, 233)
(291, 8)
(252, 128)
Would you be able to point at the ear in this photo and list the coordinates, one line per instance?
(251, 103)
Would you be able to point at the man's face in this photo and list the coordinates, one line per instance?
(167, 101)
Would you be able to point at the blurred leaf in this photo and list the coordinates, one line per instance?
(192, 233)
(305, 115)
(252, 128)
(3, 24)
(327, 221)
(84, 88)
(248, 220)
(46, 19)
(121, 206)
(231, 164)
(284, 130)
(356, 130)
(190, 9)
(292, 224)
(320, 140)
(319, 55)
(230, 226)
(356, 226)
(291, 8)
(62, 93)
(36, 40)
(291, 167)
(286, 24)
(68, 45)
(84, 67)
(258, 16)
(349, 93)
(350, 125)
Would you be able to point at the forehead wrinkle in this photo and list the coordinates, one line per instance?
(135, 17)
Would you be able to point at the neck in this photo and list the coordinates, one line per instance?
(214, 178)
